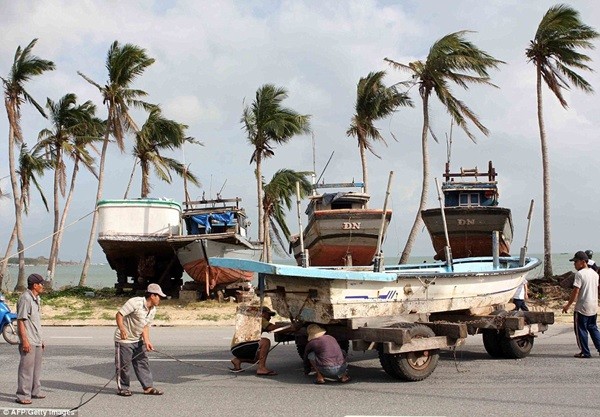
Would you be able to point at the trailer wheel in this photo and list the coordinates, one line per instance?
(517, 348)
(411, 366)
(492, 341)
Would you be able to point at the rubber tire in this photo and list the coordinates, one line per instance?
(9, 335)
(402, 366)
(517, 348)
(492, 342)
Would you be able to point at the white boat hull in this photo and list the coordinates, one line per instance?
(326, 295)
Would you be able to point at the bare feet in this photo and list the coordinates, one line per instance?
(237, 365)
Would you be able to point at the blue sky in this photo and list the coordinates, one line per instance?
(212, 56)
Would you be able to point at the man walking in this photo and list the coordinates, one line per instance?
(31, 345)
(585, 292)
(132, 340)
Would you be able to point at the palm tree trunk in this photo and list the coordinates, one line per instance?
(546, 179)
(365, 172)
(51, 260)
(425, 187)
(145, 183)
(12, 131)
(63, 218)
(4, 263)
(130, 180)
(92, 239)
(259, 192)
(266, 240)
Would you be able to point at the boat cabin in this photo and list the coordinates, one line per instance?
(340, 200)
(215, 216)
(464, 189)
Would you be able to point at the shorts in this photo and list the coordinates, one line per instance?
(245, 350)
(329, 371)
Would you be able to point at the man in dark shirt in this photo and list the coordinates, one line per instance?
(325, 356)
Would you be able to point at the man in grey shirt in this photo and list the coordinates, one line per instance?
(585, 292)
(31, 345)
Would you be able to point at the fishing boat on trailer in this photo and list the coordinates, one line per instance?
(215, 228)
(133, 234)
(472, 215)
(326, 295)
(341, 230)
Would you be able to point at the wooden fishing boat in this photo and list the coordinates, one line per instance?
(325, 295)
(215, 228)
(133, 234)
(472, 215)
(341, 230)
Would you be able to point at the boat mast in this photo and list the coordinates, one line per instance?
(378, 261)
(447, 249)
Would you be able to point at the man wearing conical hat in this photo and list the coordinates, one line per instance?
(325, 356)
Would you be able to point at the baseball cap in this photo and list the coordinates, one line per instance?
(35, 279)
(155, 289)
(579, 256)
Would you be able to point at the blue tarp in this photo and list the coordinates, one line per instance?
(206, 221)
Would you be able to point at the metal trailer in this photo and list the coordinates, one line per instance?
(409, 347)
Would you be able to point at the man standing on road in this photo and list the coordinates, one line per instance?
(585, 292)
(132, 340)
(31, 345)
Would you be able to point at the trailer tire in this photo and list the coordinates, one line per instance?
(518, 347)
(411, 366)
(492, 342)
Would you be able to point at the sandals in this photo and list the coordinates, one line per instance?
(153, 391)
(124, 393)
(24, 402)
(581, 355)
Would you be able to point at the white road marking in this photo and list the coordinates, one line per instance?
(189, 360)
(70, 337)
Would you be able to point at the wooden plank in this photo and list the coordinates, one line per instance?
(422, 344)
(398, 336)
(452, 330)
(484, 322)
(383, 321)
(543, 317)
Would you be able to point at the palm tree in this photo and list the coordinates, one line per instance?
(71, 123)
(31, 165)
(374, 101)
(158, 134)
(452, 58)
(266, 122)
(124, 63)
(25, 66)
(279, 192)
(554, 53)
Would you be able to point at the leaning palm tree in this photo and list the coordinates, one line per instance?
(267, 123)
(25, 66)
(554, 53)
(124, 64)
(450, 59)
(31, 165)
(156, 135)
(71, 125)
(374, 101)
(279, 192)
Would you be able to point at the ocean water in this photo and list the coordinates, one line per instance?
(101, 275)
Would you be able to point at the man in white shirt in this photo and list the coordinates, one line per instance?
(585, 292)
(132, 340)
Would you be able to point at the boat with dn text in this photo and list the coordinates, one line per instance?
(472, 215)
(341, 229)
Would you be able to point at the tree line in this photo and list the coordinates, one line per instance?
(75, 131)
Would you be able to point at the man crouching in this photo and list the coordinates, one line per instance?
(325, 356)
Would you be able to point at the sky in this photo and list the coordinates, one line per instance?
(212, 56)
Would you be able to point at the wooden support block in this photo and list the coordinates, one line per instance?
(452, 330)
(398, 336)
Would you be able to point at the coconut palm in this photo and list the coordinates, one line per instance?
(374, 101)
(450, 59)
(124, 64)
(72, 126)
(156, 135)
(32, 165)
(279, 192)
(554, 52)
(25, 66)
(267, 123)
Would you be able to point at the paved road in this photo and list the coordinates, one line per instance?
(79, 361)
